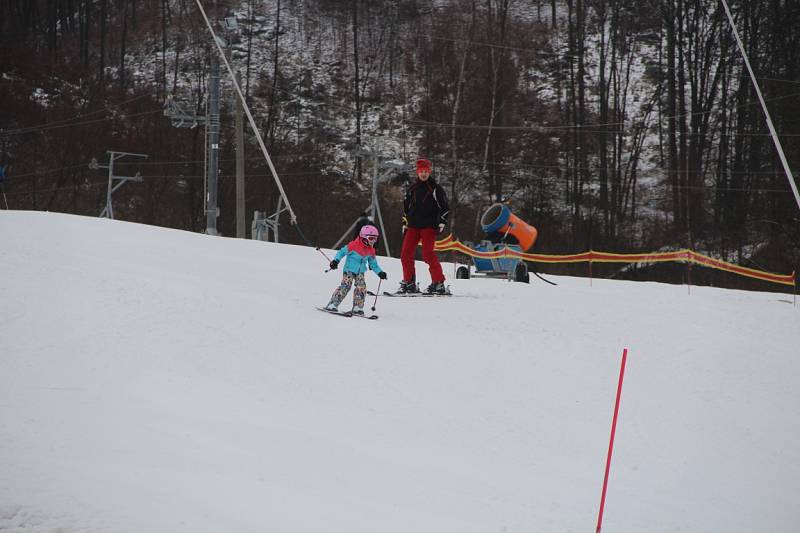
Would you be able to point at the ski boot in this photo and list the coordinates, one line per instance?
(408, 287)
(436, 288)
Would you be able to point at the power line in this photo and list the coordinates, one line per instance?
(502, 47)
(771, 127)
(549, 179)
(68, 121)
(516, 165)
(71, 124)
(583, 127)
(154, 163)
(556, 129)
(54, 189)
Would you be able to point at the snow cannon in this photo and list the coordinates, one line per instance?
(499, 218)
(503, 229)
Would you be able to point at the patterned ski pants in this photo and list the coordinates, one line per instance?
(359, 295)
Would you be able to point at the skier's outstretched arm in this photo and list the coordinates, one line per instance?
(373, 265)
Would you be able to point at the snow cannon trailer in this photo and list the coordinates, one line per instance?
(502, 228)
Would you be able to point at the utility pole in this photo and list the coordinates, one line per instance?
(219, 44)
(240, 196)
(212, 186)
(108, 210)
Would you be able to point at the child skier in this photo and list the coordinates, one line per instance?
(360, 253)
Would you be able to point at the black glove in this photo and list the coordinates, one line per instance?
(334, 264)
(382, 275)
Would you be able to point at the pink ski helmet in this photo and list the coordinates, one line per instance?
(369, 234)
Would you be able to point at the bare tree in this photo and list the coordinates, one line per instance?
(496, 34)
(356, 85)
(459, 85)
(123, 46)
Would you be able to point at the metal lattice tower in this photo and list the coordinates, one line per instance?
(114, 182)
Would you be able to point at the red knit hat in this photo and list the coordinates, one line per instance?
(424, 164)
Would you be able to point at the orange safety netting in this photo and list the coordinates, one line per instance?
(450, 244)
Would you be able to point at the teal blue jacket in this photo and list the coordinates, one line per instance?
(359, 257)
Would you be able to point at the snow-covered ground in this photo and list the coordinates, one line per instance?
(154, 380)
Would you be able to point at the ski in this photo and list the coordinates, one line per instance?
(413, 294)
(368, 317)
(348, 314)
(338, 313)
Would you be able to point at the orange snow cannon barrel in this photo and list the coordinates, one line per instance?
(499, 218)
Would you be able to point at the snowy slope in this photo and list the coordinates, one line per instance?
(154, 380)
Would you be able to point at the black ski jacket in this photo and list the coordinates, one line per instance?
(425, 205)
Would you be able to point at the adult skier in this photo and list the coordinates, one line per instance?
(425, 213)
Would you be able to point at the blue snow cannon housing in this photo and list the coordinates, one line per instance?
(503, 215)
(499, 265)
(498, 222)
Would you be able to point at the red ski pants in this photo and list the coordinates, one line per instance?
(410, 241)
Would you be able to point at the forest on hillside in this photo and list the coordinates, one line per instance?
(623, 126)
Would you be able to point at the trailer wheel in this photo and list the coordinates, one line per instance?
(521, 274)
(462, 272)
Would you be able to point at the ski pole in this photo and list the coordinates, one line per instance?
(377, 292)
(326, 257)
(323, 254)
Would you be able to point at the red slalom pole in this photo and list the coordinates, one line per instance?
(611, 443)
